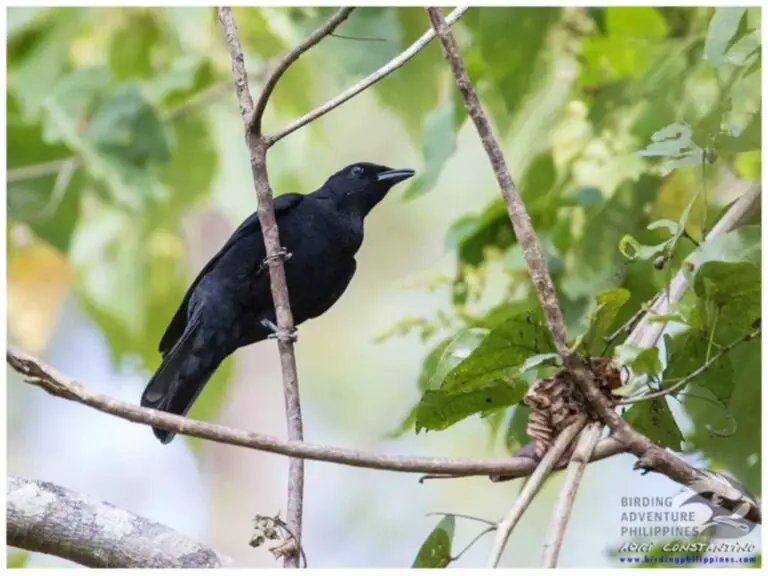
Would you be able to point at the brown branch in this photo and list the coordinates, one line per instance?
(651, 456)
(55, 383)
(521, 221)
(530, 489)
(44, 517)
(330, 25)
(365, 83)
(581, 455)
(257, 145)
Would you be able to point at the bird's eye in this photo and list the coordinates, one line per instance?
(357, 171)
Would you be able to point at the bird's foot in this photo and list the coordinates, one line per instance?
(292, 335)
(281, 254)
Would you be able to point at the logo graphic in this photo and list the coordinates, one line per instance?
(719, 506)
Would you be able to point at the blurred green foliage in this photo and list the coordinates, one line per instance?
(651, 114)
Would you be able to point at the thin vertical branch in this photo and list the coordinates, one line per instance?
(530, 489)
(573, 475)
(257, 146)
(521, 221)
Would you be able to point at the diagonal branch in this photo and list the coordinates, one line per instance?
(55, 383)
(257, 146)
(521, 221)
(365, 83)
(573, 475)
(324, 30)
(651, 457)
(44, 517)
(530, 489)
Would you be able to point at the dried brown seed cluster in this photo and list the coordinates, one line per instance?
(557, 402)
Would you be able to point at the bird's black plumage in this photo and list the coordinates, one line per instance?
(229, 304)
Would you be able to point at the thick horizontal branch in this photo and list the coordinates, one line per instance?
(365, 83)
(44, 517)
(56, 384)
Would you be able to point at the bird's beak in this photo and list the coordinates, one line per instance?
(396, 175)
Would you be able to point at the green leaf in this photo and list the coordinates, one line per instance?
(49, 204)
(39, 53)
(674, 142)
(722, 29)
(438, 143)
(750, 138)
(176, 86)
(487, 378)
(471, 235)
(131, 46)
(255, 32)
(517, 429)
(456, 350)
(508, 53)
(741, 245)
(115, 132)
(733, 288)
(435, 552)
(643, 22)
(194, 161)
(644, 252)
(596, 249)
(687, 352)
(412, 91)
(640, 360)
(654, 419)
(432, 363)
(609, 303)
(506, 347)
(737, 447)
(109, 251)
(725, 274)
(126, 127)
(16, 558)
(439, 409)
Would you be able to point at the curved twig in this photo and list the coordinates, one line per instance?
(324, 30)
(365, 83)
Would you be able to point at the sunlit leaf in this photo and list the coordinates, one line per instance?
(608, 305)
(488, 377)
(722, 29)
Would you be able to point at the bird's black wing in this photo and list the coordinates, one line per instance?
(251, 225)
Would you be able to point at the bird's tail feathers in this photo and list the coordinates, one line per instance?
(181, 377)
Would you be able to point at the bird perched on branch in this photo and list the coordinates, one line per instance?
(229, 305)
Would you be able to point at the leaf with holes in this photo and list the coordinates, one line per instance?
(435, 552)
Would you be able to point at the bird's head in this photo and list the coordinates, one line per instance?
(359, 187)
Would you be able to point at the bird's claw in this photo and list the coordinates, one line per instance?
(277, 334)
(281, 254)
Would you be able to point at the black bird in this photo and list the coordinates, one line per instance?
(229, 305)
